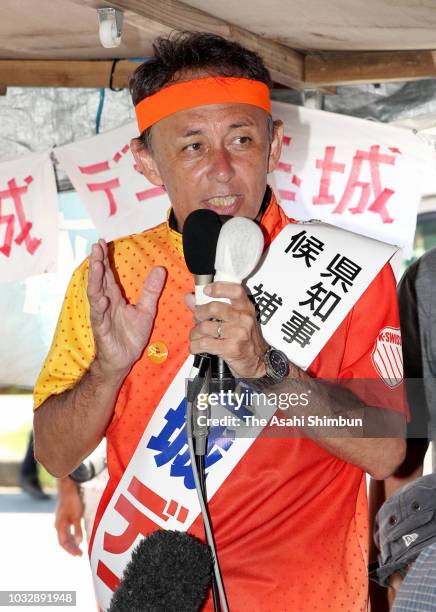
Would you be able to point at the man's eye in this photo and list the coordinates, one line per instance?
(243, 139)
(194, 146)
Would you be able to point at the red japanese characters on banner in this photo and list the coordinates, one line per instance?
(120, 543)
(356, 174)
(327, 166)
(120, 201)
(105, 186)
(109, 186)
(28, 217)
(16, 193)
(129, 507)
(367, 189)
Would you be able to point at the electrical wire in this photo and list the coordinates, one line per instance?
(99, 109)
(201, 468)
(193, 390)
(111, 77)
(112, 88)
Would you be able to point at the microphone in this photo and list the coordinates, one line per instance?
(169, 571)
(200, 236)
(239, 248)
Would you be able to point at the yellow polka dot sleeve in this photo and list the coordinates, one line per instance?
(72, 349)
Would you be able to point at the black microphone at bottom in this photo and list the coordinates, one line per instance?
(221, 379)
(170, 571)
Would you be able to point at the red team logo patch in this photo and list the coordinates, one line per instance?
(387, 356)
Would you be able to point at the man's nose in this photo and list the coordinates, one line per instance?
(220, 165)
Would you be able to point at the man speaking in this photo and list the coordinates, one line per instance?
(289, 514)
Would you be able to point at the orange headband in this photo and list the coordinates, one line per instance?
(201, 92)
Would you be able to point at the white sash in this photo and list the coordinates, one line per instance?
(310, 279)
(158, 482)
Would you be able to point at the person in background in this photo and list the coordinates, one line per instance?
(405, 535)
(69, 516)
(417, 307)
(29, 478)
(78, 498)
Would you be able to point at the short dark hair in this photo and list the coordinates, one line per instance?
(190, 52)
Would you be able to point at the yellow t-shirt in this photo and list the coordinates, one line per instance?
(72, 349)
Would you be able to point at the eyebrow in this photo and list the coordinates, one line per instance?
(191, 133)
(242, 124)
(233, 126)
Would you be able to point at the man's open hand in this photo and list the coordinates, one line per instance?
(121, 330)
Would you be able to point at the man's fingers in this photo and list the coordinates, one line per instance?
(103, 244)
(98, 275)
(212, 346)
(233, 291)
(190, 301)
(215, 310)
(208, 329)
(109, 277)
(66, 539)
(153, 286)
(102, 288)
(96, 256)
(109, 283)
(71, 547)
(98, 308)
(95, 279)
(97, 251)
(78, 535)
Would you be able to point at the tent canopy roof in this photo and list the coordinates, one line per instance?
(304, 42)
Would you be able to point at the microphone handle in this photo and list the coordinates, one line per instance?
(219, 368)
(221, 379)
(220, 372)
(200, 281)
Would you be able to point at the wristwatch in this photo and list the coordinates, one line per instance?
(277, 367)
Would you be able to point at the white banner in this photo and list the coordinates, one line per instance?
(363, 176)
(28, 217)
(313, 275)
(351, 173)
(120, 201)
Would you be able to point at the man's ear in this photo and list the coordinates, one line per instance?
(145, 162)
(275, 146)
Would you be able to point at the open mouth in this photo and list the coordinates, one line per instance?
(224, 204)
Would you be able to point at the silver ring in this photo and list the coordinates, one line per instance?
(218, 330)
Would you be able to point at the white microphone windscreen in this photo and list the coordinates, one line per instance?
(240, 245)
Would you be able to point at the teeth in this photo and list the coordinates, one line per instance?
(227, 201)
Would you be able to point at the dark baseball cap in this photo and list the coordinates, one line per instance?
(404, 526)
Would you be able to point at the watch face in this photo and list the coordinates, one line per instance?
(279, 363)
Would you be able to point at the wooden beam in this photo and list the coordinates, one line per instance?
(64, 73)
(285, 65)
(341, 68)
